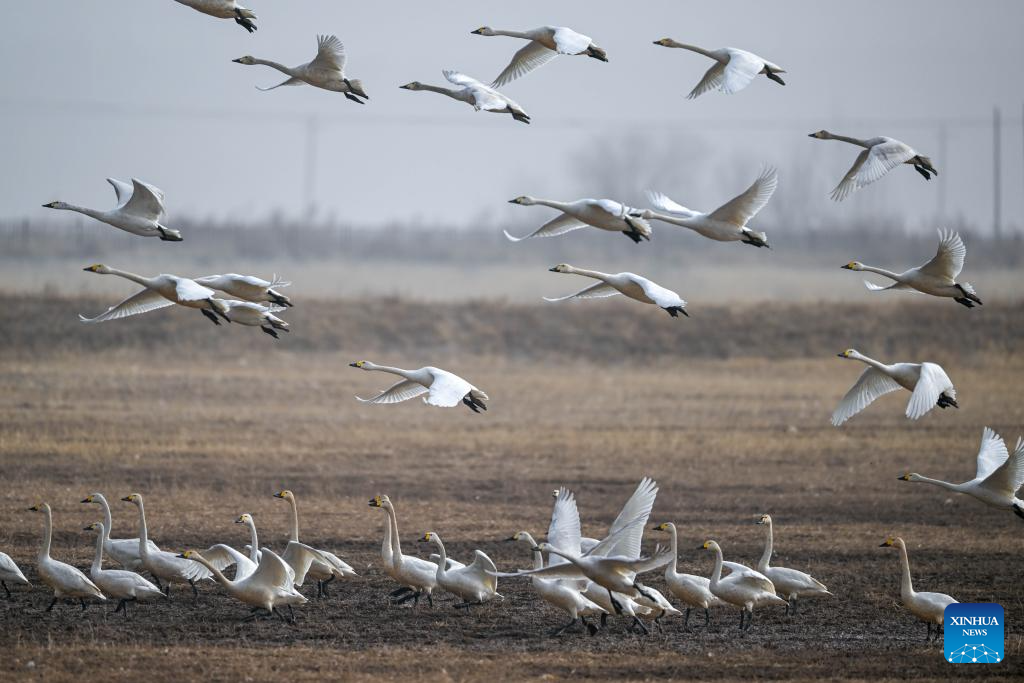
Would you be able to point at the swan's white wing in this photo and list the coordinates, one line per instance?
(223, 556)
(872, 164)
(532, 56)
(991, 454)
(459, 78)
(141, 302)
(272, 570)
(600, 290)
(396, 393)
(896, 285)
(712, 80)
(637, 507)
(288, 81)
(870, 385)
(568, 42)
(663, 203)
(447, 389)
(8, 565)
(662, 297)
(484, 569)
(190, 290)
(556, 226)
(564, 529)
(146, 201)
(1009, 477)
(298, 557)
(122, 189)
(330, 54)
(742, 208)
(484, 97)
(932, 382)
(742, 68)
(568, 570)
(949, 259)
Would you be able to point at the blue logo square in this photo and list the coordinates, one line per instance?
(973, 633)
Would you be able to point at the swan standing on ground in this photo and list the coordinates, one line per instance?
(256, 315)
(248, 287)
(9, 572)
(605, 214)
(160, 291)
(322, 566)
(264, 589)
(122, 584)
(164, 565)
(124, 551)
(743, 587)
(634, 286)
(326, 71)
(928, 607)
(733, 70)
(224, 9)
(928, 383)
(546, 43)
(693, 590)
(475, 93)
(880, 156)
(789, 583)
(727, 223)
(65, 580)
(139, 210)
(475, 583)
(937, 277)
(442, 388)
(417, 575)
(999, 476)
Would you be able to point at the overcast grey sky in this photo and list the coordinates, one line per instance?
(146, 88)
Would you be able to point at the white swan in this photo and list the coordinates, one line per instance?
(562, 594)
(928, 607)
(727, 223)
(323, 566)
(160, 291)
(633, 286)
(743, 587)
(9, 571)
(165, 565)
(928, 383)
(937, 277)
(605, 214)
(475, 93)
(789, 583)
(256, 315)
(139, 210)
(223, 556)
(224, 9)
(126, 586)
(693, 590)
(124, 551)
(999, 476)
(326, 71)
(264, 589)
(417, 575)
(65, 580)
(248, 287)
(475, 583)
(253, 548)
(733, 70)
(442, 388)
(546, 43)
(880, 156)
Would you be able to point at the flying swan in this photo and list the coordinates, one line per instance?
(442, 388)
(256, 315)
(546, 43)
(160, 291)
(224, 9)
(928, 383)
(633, 286)
(880, 156)
(928, 607)
(733, 70)
(789, 583)
(326, 71)
(605, 214)
(248, 287)
(475, 93)
(139, 210)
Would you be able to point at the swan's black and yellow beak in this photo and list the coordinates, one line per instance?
(841, 355)
(87, 500)
(235, 61)
(477, 32)
(537, 549)
(127, 499)
(884, 545)
(353, 365)
(553, 270)
(846, 267)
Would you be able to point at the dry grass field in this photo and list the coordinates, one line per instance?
(728, 410)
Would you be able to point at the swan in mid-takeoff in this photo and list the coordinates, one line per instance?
(224, 9)
(475, 583)
(256, 315)
(65, 580)
(727, 223)
(160, 291)
(880, 156)
(248, 287)
(126, 586)
(326, 71)
(743, 587)
(9, 571)
(733, 70)
(266, 588)
(473, 92)
(442, 388)
(124, 551)
(999, 476)
(162, 564)
(928, 383)
(321, 566)
(139, 210)
(789, 583)
(546, 43)
(693, 590)
(634, 286)
(928, 607)
(937, 277)
(605, 214)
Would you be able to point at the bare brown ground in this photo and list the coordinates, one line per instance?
(207, 435)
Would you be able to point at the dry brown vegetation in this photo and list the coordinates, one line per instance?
(724, 410)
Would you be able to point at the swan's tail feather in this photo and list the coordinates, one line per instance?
(276, 281)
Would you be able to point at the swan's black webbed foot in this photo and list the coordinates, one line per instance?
(775, 77)
(210, 316)
(244, 22)
(271, 331)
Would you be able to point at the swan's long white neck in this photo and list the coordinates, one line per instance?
(844, 138)
(97, 561)
(44, 550)
(228, 584)
(295, 519)
(596, 274)
(442, 565)
(92, 213)
(716, 574)
(870, 361)
(906, 586)
(561, 206)
(450, 92)
(882, 271)
(108, 520)
(674, 544)
(683, 221)
(396, 541)
(274, 65)
(538, 556)
(144, 281)
(938, 482)
(511, 34)
(387, 368)
(143, 532)
(698, 50)
(254, 547)
(766, 556)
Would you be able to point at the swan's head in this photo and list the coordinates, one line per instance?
(523, 200)
(483, 31)
(910, 476)
(542, 547)
(95, 526)
(244, 518)
(285, 495)
(821, 135)
(415, 85)
(848, 353)
(133, 498)
(189, 555)
(56, 205)
(708, 545)
(853, 265)
(362, 365)
(428, 537)
(93, 498)
(245, 60)
(97, 268)
(517, 536)
(664, 526)
(664, 42)
(765, 519)
(561, 268)
(378, 501)
(890, 542)
(40, 507)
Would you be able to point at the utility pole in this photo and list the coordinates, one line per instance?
(309, 184)
(997, 175)
(944, 162)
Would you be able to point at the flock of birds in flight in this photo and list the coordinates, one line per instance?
(584, 577)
